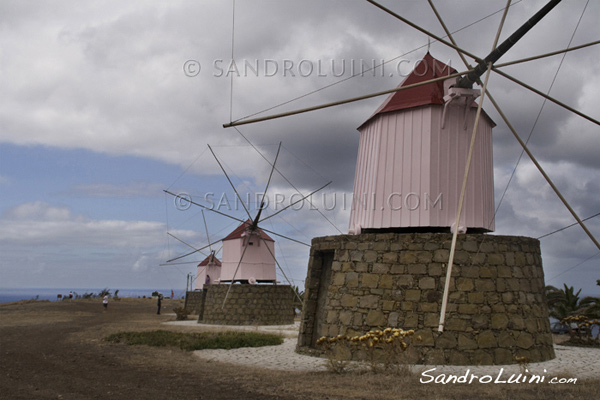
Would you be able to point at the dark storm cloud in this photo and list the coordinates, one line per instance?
(109, 77)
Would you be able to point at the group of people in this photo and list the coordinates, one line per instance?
(159, 302)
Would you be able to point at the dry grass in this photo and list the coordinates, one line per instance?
(14, 303)
(196, 341)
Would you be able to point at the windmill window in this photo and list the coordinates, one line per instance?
(250, 243)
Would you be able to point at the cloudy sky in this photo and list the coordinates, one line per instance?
(104, 105)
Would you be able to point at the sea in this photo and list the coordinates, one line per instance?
(17, 294)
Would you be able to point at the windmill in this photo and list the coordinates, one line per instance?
(209, 266)
(257, 264)
(248, 251)
(209, 269)
(422, 135)
(460, 106)
(464, 82)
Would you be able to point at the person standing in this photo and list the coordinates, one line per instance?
(105, 302)
(159, 303)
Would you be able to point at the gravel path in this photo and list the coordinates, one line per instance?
(570, 362)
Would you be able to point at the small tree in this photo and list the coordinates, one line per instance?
(563, 303)
(104, 292)
(590, 307)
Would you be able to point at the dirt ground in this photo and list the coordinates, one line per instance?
(56, 350)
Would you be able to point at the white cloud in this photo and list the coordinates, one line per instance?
(39, 223)
(143, 263)
(130, 190)
(56, 244)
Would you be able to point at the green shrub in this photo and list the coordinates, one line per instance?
(197, 341)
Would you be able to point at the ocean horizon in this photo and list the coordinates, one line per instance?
(9, 295)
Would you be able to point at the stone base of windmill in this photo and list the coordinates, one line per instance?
(496, 310)
(194, 301)
(247, 305)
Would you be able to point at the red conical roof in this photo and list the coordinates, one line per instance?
(209, 259)
(432, 93)
(237, 233)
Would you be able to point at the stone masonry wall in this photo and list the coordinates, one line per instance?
(194, 301)
(496, 308)
(249, 305)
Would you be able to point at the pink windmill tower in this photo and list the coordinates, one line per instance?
(411, 160)
(248, 255)
(208, 271)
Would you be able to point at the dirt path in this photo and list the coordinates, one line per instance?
(56, 350)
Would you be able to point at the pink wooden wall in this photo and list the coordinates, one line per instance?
(405, 156)
(257, 263)
(212, 270)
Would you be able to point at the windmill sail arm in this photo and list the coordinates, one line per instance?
(187, 244)
(206, 229)
(193, 252)
(234, 274)
(269, 181)
(417, 27)
(547, 97)
(340, 102)
(179, 263)
(285, 237)
(545, 55)
(231, 183)
(203, 206)
(297, 201)
(281, 269)
(469, 79)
